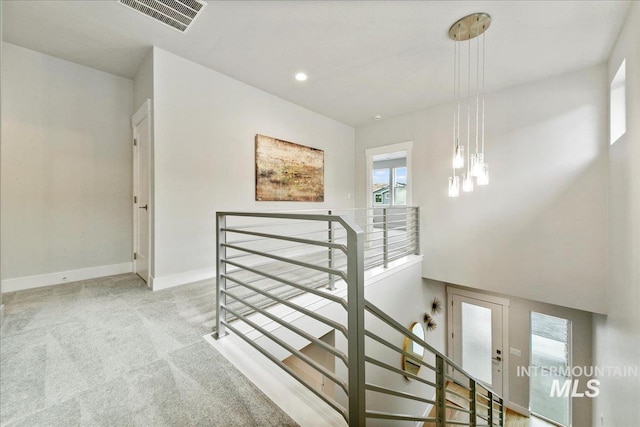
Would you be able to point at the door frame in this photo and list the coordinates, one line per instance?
(143, 112)
(504, 302)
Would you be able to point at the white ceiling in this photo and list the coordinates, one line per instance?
(363, 58)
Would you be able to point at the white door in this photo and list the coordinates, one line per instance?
(477, 327)
(142, 139)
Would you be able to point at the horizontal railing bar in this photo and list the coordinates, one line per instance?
(389, 245)
(458, 408)
(457, 423)
(398, 371)
(273, 224)
(291, 267)
(397, 349)
(384, 390)
(481, 405)
(396, 207)
(320, 232)
(294, 351)
(304, 334)
(288, 290)
(449, 377)
(326, 295)
(399, 417)
(467, 398)
(289, 261)
(310, 242)
(393, 221)
(302, 310)
(283, 215)
(266, 250)
(391, 322)
(306, 280)
(290, 371)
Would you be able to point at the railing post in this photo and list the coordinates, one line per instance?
(490, 414)
(332, 279)
(355, 324)
(416, 211)
(221, 271)
(472, 403)
(385, 239)
(441, 408)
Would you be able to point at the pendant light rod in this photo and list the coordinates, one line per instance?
(465, 29)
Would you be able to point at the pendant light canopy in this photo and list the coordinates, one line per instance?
(462, 32)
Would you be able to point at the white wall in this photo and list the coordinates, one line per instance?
(66, 167)
(143, 82)
(405, 298)
(617, 336)
(539, 230)
(205, 125)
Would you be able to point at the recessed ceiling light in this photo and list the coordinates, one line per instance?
(301, 77)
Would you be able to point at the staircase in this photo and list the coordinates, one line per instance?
(286, 279)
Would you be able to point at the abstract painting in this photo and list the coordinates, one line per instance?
(288, 172)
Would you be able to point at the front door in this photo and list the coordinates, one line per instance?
(142, 138)
(477, 339)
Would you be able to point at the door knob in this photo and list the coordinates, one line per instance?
(143, 207)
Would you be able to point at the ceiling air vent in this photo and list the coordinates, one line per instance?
(178, 14)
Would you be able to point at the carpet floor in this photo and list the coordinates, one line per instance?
(109, 352)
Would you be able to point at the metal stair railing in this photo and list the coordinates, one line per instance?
(267, 263)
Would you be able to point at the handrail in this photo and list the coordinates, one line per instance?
(334, 253)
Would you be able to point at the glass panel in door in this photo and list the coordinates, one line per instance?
(476, 341)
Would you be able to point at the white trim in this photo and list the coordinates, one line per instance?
(30, 282)
(478, 295)
(171, 280)
(519, 409)
(143, 111)
(505, 303)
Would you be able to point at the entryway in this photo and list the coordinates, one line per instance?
(478, 336)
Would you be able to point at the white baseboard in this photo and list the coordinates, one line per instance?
(30, 282)
(519, 409)
(171, 280)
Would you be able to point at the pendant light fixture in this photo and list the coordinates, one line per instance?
(465, 29)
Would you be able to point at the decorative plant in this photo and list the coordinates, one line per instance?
(436, 306)
(429, 323)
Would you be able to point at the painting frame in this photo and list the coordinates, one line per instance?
(287, 172)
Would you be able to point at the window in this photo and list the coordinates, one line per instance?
(618, 104)
(550, 376)
(380, 181)
(390, 186)
(400, 185)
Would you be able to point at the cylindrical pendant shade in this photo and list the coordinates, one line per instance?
(454, 186)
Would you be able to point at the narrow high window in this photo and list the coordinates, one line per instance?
(618, 104)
